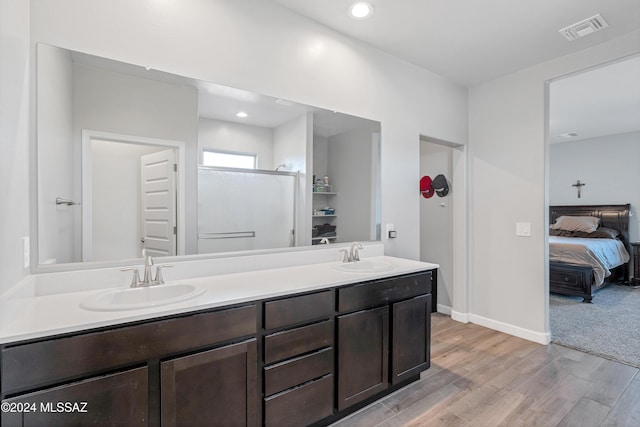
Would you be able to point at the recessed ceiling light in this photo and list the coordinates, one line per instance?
(361, 10)
(242, 114)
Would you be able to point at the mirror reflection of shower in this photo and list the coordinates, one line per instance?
(280, 166)
(245, 209)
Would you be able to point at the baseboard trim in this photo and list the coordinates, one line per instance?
(527, 334)
(460, 317)
(444, 309)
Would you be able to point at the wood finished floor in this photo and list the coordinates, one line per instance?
(480, 377)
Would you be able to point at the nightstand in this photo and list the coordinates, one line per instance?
(635, 249)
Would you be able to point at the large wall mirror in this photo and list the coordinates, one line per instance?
(132, 159)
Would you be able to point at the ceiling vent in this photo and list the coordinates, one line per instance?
(584, 27)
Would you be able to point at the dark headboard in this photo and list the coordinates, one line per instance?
(611, 216)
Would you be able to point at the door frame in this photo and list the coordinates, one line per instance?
(460, 230)
(86, 183)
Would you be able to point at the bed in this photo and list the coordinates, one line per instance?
(581, 266)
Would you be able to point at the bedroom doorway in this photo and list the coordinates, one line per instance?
(443, 219)
(592, 151)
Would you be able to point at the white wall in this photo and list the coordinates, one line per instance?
(116, 209)
(291, 143)
(263, 47)
(609, 167)
(349, 164)
(15, 111)
(117, 103)
(436, 218)
(57, 241)
(507, 179)
(320, 152)
(237, 137)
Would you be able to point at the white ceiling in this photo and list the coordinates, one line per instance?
(600, 102)
(469, 42)
(473, 41)
(223, 102)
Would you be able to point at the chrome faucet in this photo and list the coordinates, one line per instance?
(147, 279)
(354, 255)
(351, 255)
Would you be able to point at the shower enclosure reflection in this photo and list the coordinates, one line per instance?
(256, 212)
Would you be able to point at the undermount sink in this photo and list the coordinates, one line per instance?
(142, 297)
(367, 266)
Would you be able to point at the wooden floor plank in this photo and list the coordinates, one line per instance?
(423, 407)
(481, 377)
(370, 416)
(626, 411)
(585, 413)
(610, 381)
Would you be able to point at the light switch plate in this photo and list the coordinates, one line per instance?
(391, 231)
(523, 229)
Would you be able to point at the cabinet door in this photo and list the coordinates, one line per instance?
(212, 388)
(110, 400)
(411, 342)
(363, 355)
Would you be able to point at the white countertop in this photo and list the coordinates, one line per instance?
(30, 317)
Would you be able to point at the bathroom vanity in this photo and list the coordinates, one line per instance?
(298, 358)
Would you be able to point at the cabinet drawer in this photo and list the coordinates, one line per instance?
(373, 294)
(286, 344)
(289, 311)
(297, 371)
(300, 406)
(117, 398)
(42, 363)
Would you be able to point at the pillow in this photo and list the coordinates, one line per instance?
(600, 233)
(577, 223)
(561, 233)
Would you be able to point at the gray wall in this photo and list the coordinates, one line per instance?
(609, 167)
(436, 222)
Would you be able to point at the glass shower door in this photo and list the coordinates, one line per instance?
(245, 209)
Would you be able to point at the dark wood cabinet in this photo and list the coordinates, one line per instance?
(184, 370)
(411, 346)
(211, 388)
(110, 400)
(293, 342)
(51, 361)
(293, 310)
(383, 346)
(363, 354)
(301, 359)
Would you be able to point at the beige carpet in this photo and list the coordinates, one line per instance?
(610, 327)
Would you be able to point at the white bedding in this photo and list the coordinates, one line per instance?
(601, 254)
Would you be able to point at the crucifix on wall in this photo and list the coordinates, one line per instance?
(578, 186)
